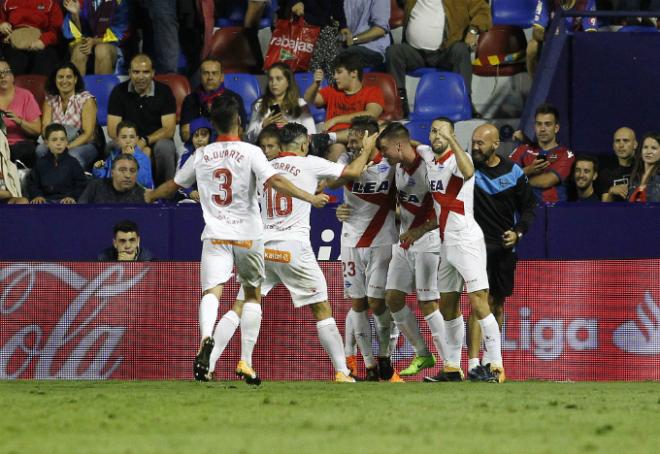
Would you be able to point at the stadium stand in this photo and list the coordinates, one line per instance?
(233, 13)
(35, 83)
(500, 52)
(247, 86)
(392, 109)
(519, 13)
(180, 88)
(101, 86)
(441, 94)
(304, 80)
(231, 47)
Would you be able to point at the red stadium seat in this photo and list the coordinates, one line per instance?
(392, 109)
(231, 47)
(35, 83)
(180, 88)
(396, 15)
(500, 52)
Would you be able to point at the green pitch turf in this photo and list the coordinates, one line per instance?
(317, 417)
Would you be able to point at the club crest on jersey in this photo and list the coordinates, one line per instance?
(383, 167)
(405, 197)
(411, 182)
(436, 185)
(371, 187)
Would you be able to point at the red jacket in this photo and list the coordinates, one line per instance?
(46, 15)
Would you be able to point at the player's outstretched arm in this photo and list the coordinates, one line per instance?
(164, 191)
(463, 161)
(284, 186)
(353, 170)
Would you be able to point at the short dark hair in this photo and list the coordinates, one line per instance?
(444, 120)
(393, 131)
(365, 123)
(272, 130)
(547, 108)
(126, 124)
(224, 111)
(125, 157)
(211, 60)
(51, 87)
(54, 127)
(350, 63)
(125, 226)
(589, 158)
(291, 132)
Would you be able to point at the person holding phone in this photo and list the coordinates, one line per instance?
(280, 104)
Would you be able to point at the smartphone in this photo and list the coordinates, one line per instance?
(542, 157)
(275, 109)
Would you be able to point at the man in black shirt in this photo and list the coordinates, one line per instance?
(120, 188)
(504, 205)
(125, 245)
(585, 175)
(613, 181)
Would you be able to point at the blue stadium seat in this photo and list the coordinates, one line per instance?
(638, 29)
(513, 12)
(245, 85)
(234, 12)
(441, 94)
(419, 72)
(419, 131)
(101, 86)
(304, 80)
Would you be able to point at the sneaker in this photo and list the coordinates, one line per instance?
(248, 374)
(341, 377)
(497, 371)
(447, 374)
(351, 363)
(385, 369)
(481, 373)
(202, 360)
(395, 378)
(417, 364)
(372, 374)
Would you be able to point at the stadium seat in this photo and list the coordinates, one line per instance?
(180, 88)
(419, 72)
(231, 47)
(513, 12)
(35, 83)
(392, 109)
(101, 86)
(245, 85)
(396, 15)
(638, 29)
(441, 94)
(500, 52)
(232, 13)
(304, 80)
(419, 131)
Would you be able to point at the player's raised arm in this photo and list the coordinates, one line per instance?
(353, 170)
(463, 161)
(284, 186)
(164, 191)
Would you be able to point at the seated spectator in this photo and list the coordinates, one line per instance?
(202, 134)
(585, 173)
(10, 182)
(127, 143)
(198, 103)
(121, 187)
(125, 245)
(369, 24)
(280, 104)
(69, 104)
(95, 29)
(644, 179)
(269, 141)
(152, 107)
(613, 181)
(57, 177)
(21, 116)
(30, 33)
(547, 164)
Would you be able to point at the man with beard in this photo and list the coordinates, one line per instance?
(585, 174)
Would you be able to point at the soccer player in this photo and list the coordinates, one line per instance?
(462, 252)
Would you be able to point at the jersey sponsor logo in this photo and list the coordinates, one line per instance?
(436, 185)
(247, 244)
(293, 44)
(410, 198)
(274, 255)
(370, 187)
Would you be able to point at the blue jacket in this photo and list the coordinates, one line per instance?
(144, 176)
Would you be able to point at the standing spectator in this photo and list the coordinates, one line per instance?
(121, 187)
(613, 181)
(30, 30)
(644, 180)
(280, 104)
(369, 24)
(253, 14)
(548, 164)
(439, 34)
(69, 104)
(95, 29)
(22, 117)
(198, 103)
(269, 141)
(125, 245)
(585, 174)
(57, 177)
(161, 33)
(152, 107)
(10, 183)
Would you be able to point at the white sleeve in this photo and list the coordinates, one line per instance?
(185, 176)
(261, 167)
(254, 127)
(324, 168)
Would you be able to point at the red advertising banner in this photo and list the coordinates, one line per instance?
(577, 320)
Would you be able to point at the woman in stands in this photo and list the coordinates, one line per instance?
(281, 104)
(68, 103)
(644, 179)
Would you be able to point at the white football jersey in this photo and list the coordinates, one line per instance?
(452, 198)
(287, 218)
(372, 199)
(227, 175)
(416, 203)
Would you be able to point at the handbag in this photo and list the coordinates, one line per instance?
(292, 43)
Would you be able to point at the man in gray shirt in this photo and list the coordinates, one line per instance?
(368, 21)
(121, 187)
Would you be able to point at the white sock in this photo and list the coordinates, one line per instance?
(383, 329)
(472, 363)
(405, 320)
(454, 332)
(350, 346)
(490, 332)
(394, 338)
(208, 313)
(250, 326)
(331, 342)
(363, 337)
(436, 324)
(223, 333)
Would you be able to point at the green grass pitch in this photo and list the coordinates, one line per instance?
(318, 417)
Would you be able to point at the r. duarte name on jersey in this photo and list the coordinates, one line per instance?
(295, 45)
(370, 187)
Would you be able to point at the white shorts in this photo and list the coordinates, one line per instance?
(293, 264)
(418, 268)
(220, 256)
(463, 263)
(365, 270)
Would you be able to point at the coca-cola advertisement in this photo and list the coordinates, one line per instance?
(567, 320)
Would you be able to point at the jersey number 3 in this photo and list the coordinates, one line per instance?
(223, 176)
(278, 204)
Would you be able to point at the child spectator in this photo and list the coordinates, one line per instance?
(201, 135)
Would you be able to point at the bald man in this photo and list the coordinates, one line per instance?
(613, 181)
(504, 209)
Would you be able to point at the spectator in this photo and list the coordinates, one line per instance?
(585, 173)
(546, 164)
(30, 30)
(269, 141)
(10, 183)
(369, 24)
(280, 104)
(613, 181)
(95, 29)
(122, 187)
(198, 103)
(57, 177)
(127, 143)
(69, 104)
(253, 14)
(202, 134)
(21, 116)
(125, 245)
(152, 107)
(161, 33)
(644, 179)
(439, 34)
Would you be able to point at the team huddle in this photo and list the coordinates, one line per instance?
(257, 220)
